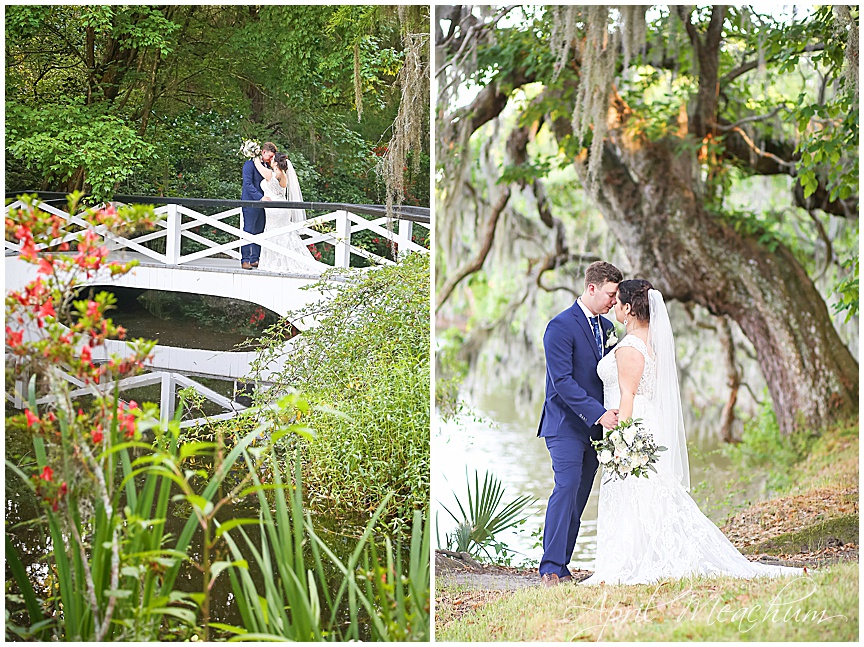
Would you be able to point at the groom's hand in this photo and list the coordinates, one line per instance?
(609, 419)
(269, 199)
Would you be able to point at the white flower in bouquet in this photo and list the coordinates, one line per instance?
(627, 450)
(250, 149)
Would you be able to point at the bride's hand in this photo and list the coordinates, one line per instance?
(265, 172)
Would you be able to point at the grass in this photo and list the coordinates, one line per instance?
(820, 606)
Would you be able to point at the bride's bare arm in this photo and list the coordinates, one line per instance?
(263, 170)
(631, 363)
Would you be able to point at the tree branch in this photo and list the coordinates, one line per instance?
(474, 264)
(752, 65)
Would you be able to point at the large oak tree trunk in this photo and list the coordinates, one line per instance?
(648, 194)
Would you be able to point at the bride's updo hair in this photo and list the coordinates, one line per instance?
(634, 292)
(281, 160)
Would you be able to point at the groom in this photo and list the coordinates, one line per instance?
(573, 412)
(254, 219)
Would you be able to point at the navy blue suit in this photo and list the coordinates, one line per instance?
(253, 219)
(574, 402)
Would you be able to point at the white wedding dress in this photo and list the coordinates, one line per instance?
(302, 261)
(650, 528)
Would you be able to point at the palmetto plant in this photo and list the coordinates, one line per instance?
(485, 517)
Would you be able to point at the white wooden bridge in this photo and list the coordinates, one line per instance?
(215, 270)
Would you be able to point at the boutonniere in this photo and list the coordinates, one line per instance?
(611, 338)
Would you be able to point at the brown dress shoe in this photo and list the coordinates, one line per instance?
(566, 579)
(549, 579)
(246, 266)
(255, 264)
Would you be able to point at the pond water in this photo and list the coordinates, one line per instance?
(501, 439)
(339, 530)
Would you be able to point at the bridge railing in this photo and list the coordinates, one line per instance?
(181, 219)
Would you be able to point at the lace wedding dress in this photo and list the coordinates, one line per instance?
(650, 528)
(302, 261)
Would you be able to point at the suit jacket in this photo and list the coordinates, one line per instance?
(251, 182)
(574, 392)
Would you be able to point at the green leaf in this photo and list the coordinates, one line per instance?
(233, 523)
(218, 567)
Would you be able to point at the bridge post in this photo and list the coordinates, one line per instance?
(20, 390)
(405, 231)
(172, 244)
(166, 398)
(343, 236)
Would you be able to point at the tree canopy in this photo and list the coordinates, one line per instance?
(158, 99)
(665, 112)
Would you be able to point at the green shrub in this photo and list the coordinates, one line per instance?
(367, 357)
(763, 446)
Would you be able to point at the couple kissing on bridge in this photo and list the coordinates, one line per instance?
(269, 176)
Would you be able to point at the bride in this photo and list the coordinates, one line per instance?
(280, 183)
(650, 529)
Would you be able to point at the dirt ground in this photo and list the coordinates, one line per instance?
(760, 522)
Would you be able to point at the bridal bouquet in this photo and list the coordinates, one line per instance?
(250, 149)
(628, 450)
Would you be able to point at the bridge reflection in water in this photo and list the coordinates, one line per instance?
(213, 269)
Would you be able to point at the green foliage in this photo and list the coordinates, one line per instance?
(848, 291)
(763, 446)
(450, 371)
(157, 100)
(762, 227)
(367, 357)
(295, 602)
(485, 518)
(55, 141)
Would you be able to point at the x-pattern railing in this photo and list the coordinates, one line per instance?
(173, 228)
(168, 380)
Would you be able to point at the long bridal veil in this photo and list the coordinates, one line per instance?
(294, 193)
(670, 418)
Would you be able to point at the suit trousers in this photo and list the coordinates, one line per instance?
(574, 463)
(253, 223)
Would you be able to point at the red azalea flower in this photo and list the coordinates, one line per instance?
(31, 419)
(86, 355)
(97, 436)
(47, 310)
(128, 423)
(13, 338)
(46, 266)
(92, 308)
(47, 474)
